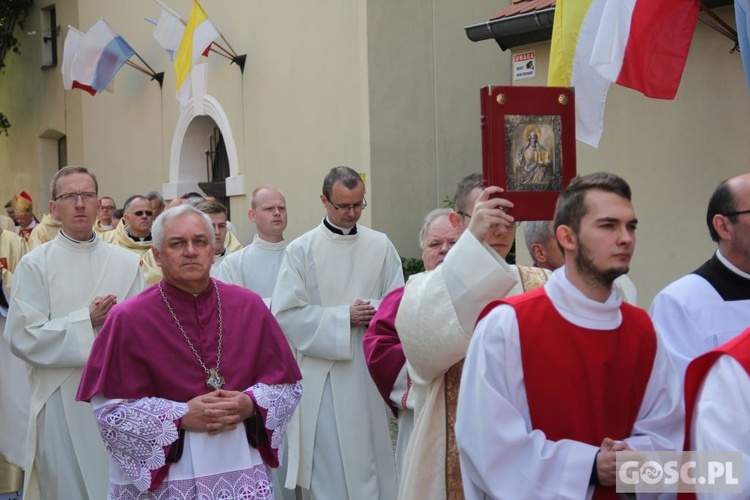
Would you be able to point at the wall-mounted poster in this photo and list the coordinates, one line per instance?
(528, 146)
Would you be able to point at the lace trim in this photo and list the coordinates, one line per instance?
(279, 401)
(135, 433)
(249, 484)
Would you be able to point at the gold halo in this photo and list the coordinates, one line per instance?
(535, 128)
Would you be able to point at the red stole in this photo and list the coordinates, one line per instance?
(739, 349)
(583, 384)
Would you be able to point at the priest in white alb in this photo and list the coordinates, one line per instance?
(329, 285)
(62, 293)
(257, 266)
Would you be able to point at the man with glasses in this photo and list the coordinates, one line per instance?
(62, 292)
(329, 285)
(104, 221)
(135, 235)
(711, 305)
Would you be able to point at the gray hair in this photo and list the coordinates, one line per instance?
(155, 195)
(428, 220)
(193, 201)
(536, 231)
(157, 229)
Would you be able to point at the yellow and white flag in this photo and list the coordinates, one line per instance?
(196, 42)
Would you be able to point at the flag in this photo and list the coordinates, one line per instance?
(70, 49)
(169, 29)
(101, 53)
(196, 41)
(640, 44)
(644, 44)
(741, 8)
(574, 30)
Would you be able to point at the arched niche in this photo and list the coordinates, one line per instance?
(187, 159)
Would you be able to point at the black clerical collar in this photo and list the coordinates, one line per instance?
(337, 230)
(137, 239)
(728, 284)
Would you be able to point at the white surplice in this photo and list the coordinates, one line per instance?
(493, 415)
(721, 418)
(255, 267)
(692, 318)
(342, 448)
(49, 327)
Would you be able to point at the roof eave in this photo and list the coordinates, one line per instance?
(510, 32)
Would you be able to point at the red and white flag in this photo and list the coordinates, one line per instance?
(644, 44)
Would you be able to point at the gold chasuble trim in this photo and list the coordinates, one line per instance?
(531, 279)
(11, 476)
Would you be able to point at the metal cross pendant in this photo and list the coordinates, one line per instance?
(214, 380)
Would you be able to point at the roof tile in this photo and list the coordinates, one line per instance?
(523, 7)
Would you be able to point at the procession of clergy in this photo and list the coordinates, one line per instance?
(155, 357)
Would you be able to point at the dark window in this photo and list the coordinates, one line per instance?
(49, 37)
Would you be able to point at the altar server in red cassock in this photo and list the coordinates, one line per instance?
(717, 404)
(559, 379)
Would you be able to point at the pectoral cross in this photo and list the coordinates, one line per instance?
(214, 380)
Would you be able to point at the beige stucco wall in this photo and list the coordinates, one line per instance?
(38, 110)
(424, 107)
(673, 154)
(391, 90)
(299, 108)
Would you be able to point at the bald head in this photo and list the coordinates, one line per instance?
(268, 212)
(728, 219)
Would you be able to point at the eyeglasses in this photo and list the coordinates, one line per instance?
(345, 208)
(107, 208)
(141, 213)
(73, 197)
(732, 214)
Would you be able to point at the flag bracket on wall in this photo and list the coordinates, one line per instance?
(159, 77)
(234, 58)
(240, 61)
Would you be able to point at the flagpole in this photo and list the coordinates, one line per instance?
(731, 33)
(159, 77)
(144, 62)
(225, 51)
(220, 53)
(228, 44)
(139, 68)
